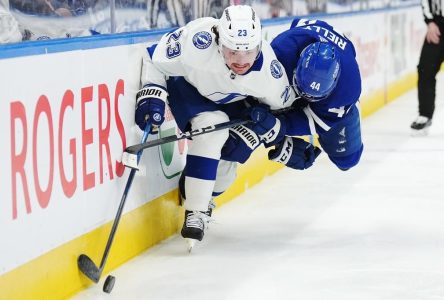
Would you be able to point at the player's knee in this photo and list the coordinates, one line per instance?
(347, 162)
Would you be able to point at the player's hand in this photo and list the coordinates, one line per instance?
(433, 33)
(241, 142)
(150, 105)
(295, 153)
(265, 124)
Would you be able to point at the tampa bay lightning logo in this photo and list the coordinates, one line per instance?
(276, 69)
(202, 40)
(157, 117)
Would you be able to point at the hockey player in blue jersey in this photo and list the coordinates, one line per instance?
(205, 70)
(321, 64)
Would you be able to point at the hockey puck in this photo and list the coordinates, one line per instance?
(109, 284)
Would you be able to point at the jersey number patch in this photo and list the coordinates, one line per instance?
(339, 111)
(173, 46)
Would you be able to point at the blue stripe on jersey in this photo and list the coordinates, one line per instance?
(156, 85)
(228, 98)
(201, 167)
(215, 194)
(257, 65)
(151, 50)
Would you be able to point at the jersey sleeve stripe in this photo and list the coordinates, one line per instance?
(318, 120)
(311, 123)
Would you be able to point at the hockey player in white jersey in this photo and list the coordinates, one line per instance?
(203, 70)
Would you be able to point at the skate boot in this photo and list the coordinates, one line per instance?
(420, 127)
(194, 226)
(211, 205)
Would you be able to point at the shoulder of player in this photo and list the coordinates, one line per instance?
(186, 33)
(200, 38)
(345, 94)
(270, 64)
(201, 24)
(317, 30)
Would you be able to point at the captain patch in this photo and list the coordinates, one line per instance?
(276, 69)
(202, 40)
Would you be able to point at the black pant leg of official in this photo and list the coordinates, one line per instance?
(430, 61)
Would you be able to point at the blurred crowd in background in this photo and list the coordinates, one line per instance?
(22, 20)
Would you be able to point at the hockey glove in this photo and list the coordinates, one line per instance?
(241, 142)
(269, 128)
(150, 104)
(294, 153)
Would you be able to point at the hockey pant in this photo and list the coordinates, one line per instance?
(203, 160)
(190, 109)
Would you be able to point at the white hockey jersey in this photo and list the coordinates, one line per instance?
(192, 52)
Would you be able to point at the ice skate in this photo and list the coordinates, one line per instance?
(421, 126)
(211, 206)
(194, 226)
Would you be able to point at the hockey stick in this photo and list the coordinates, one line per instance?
(132, 150)
(183, 135)
(85, 264)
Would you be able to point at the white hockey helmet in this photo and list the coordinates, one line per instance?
(240, 28)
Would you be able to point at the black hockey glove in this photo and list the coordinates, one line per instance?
(269, 128)
(241, 142)
(294, 153)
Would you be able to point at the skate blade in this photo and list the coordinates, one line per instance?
(190, 244)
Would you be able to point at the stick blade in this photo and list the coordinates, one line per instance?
(190, 244)
(130, 160)
(88, 267)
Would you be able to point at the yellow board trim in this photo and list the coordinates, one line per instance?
(377, 99)
(54, 275)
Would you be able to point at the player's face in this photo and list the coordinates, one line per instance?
(239, 61)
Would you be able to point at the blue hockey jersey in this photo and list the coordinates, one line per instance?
(334, 119)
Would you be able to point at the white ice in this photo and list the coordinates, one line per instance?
(373, 232)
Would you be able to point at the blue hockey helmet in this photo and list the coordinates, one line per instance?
(317, 71)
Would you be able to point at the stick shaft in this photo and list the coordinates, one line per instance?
(188, 134)
(122, 203)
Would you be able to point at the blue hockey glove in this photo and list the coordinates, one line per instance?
(241, 142)
(150, 104)
(294, 153)
(269, 128)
